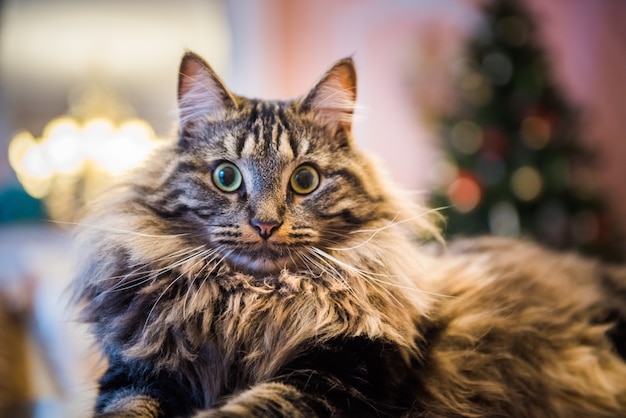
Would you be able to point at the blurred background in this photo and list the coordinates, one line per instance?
(505, 114)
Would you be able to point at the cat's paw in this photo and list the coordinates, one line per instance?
(133, 406)
(261, 401)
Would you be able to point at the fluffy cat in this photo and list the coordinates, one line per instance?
(261, 266)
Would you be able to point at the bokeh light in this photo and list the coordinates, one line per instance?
(535, 132)
(526, 183)
(464, 193)
(467, 137)
(75, 159)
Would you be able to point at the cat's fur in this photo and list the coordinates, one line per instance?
(265, 302)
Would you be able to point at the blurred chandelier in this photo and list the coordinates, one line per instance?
(77, 156)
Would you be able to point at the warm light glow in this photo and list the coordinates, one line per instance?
(35, 163)
(29, 162)
(464, 193)
(36, 173)
(526, 183)
(128, 148)
(535, 132)
(467, 137)
(96, 134)
(19, 146)
(70, 150)
(63, 146)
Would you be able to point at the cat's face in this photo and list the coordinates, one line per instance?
(268, 184)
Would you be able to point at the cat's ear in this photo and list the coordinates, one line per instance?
(333, 99)
(201, 93)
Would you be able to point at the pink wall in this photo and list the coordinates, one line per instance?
(587, 40)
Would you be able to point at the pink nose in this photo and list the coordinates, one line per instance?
(265, 228)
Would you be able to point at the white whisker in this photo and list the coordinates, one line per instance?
(373, 277)
(213, 254)
(391, 224)
(124, 231)
(143, 265)
(180, 275)
(150, 274)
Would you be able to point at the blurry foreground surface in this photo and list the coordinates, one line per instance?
(47, 363)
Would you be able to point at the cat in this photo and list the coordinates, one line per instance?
(261, 265)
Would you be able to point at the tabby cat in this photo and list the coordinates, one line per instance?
(261, 266)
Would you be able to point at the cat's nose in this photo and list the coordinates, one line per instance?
(265, 228)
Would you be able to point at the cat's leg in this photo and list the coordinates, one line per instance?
(356, 377)
(130, 406)
(130, 389)
(266, 400)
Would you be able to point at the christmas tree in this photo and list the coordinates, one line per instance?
(516, 165)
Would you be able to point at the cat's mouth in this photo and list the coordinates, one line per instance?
(262, 260)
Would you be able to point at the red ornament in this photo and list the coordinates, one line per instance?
(465, 192)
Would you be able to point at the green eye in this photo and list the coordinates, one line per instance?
(227, 177)
(305, 179)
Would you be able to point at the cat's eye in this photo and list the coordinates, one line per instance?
(305, 179)
(227, 177)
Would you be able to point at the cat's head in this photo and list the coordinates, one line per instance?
(268, 183)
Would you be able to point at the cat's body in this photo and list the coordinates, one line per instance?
(261, 266)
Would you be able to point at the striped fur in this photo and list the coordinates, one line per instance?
(339, 312)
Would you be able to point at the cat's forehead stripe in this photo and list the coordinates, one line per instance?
(249, 146)
(240, 142)
(268, 127)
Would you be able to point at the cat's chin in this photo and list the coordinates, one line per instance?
(259, 266)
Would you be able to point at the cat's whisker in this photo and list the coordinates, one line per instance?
(390, 223)
(175, 254)
(152, 274)
(363, 273)
(330, 269)
(154, 305)
(377, 277)
(148, 267)
(206, 275)
(124, 231)
(143, 276)
(190, 296)
(351, 269)
(127, 285)
(310, 262)
(212, 254)
(138, 266)
(348, 267)
(179, 277)
(375, 231)
(304, 261)
(217, 264)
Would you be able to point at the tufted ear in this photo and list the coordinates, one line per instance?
(201, 93)
(333, 99)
